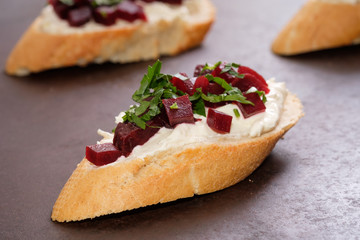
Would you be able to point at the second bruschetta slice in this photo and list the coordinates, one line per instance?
(69, 32)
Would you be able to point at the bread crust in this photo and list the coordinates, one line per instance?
(319, 25)
(38, 51)
(167, 175)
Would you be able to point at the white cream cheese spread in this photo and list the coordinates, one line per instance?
(155, 12)
(188, 134)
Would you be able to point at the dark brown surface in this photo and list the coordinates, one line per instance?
(308, 188)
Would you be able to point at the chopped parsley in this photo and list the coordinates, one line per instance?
(229, 68)
(174, 106)
(156, 86)
(67, 2)
(210, 67)
(261, 94)
(96, 3)
(236, 112)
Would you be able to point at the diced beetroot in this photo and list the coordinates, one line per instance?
(199, 71)
(249, 110)
(130, 11)
(215, 88)
(226, 76)
(182, 113)
(128, 135)
(249, 81)
(171, 1)
(185, 86)
(101, 154)
(218, 121)
(244, 69)
(203, 83)
(214, 105)
(60, 8)
(166, 1)
(81, 2)
(105, 15)
(79, 16)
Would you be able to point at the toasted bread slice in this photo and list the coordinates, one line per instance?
(320, 24)
(165, 176)
(51, 43)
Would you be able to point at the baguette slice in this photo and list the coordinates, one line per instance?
(320, 24)
(175, 173)
(39, 50)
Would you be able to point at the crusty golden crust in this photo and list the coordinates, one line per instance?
(168, 175)
(319, 25)
(37, 51)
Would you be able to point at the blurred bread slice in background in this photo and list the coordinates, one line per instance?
(50, 43)
(320, 24)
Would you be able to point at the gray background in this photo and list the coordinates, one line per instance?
(308, 188)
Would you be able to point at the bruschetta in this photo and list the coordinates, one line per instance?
(185, 136)
(319, 25)
(80, 32)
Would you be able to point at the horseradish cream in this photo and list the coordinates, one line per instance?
(190, 134)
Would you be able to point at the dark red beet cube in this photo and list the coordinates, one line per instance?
(128, 135)
(203, 83)
(244, 69)
(179, 110)
(102, 154)
(166, 1)
(185, 86)
(171, 1)
(218, 121)
(199, 71)
(130, 11)
(79, 16)
(215, 88)
(106, 15)
(226, 76)
(249, 110)
(214, 105)
(60, 8)
(81, 2)
(249, 81)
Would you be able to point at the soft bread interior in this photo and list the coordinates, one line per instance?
(167, 175)
(320, 24)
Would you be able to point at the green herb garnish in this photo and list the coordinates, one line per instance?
(103, 14)
(156, 86)
(236, 112)
(174, 106)
(230, 94)
(67, 2)
(96, 3)
(261, 94)
(229, 68)
(210, 67)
